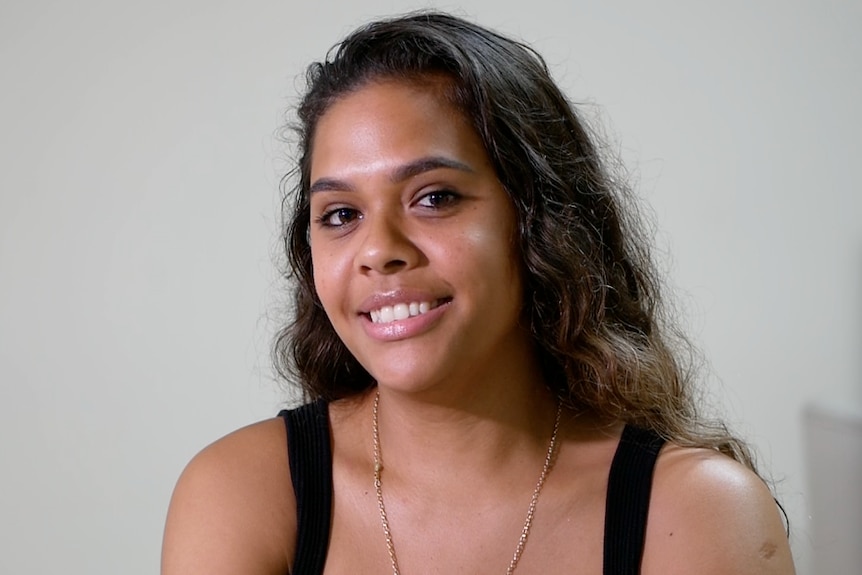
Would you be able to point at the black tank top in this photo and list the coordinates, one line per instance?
(310, 456)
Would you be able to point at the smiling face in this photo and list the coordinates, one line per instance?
(412, 239)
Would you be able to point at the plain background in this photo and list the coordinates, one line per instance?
(139, 225)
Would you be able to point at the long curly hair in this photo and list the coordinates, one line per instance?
(592, 295)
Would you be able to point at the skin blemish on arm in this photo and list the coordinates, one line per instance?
(767, 550)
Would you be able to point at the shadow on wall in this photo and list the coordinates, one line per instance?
(833, 442)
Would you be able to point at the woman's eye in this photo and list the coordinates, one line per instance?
(438, 199)
(338, 217)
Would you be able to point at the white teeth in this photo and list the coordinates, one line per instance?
(399, 311)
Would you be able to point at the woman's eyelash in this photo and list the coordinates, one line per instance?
(327, 218)
(439, 198)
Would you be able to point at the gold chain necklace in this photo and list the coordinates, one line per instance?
(522, 541)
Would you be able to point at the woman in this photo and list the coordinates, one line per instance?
(477, 327)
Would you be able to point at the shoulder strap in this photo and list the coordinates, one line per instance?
(627, 504)
(310, 456)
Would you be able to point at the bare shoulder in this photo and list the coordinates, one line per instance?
(233, 509)
(709, 514)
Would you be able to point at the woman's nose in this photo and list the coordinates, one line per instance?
(386, 246)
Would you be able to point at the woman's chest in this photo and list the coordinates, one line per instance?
(564, 535)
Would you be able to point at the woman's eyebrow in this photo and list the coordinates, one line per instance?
(399, 174)
(329, 185)
(426, 164)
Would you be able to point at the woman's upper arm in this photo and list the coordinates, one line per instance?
(711, 515)
(233, 509)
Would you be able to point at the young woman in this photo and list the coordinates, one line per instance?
(477, 330)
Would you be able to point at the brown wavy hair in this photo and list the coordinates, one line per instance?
(592, 295)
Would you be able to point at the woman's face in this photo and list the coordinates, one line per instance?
(412, 238)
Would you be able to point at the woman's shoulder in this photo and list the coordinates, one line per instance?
(711, 514)
(233, 509)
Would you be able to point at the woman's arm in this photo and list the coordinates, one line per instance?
(233, 509)
(711, 515)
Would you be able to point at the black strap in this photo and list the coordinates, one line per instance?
(310, 456)
(627, 504)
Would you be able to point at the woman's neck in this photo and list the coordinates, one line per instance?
(482, 428)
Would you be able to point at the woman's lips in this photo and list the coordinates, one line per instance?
(403, 319)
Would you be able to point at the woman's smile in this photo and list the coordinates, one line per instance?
(399, 305)
(402, 314)
(400, 311)
(412, 237)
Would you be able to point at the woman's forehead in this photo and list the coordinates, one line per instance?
(391, 123)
